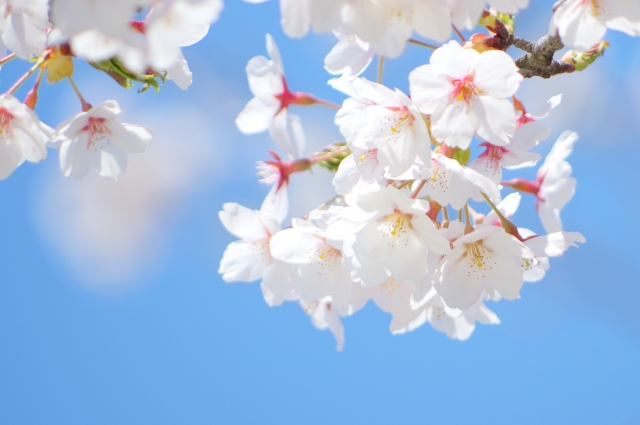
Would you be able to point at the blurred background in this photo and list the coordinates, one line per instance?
(112, 311)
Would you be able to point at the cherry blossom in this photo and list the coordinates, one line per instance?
(269, 108)
(22, 135)
(394, 297)
(388, 24)
(174, 24)
(99, 29)
(349, 57)
(324, 316)
(249, 258)
(94, 139)
(360, 167)
(320, 271)
(554, 185)
(465, 92)
(455, 323)
(385, 120)
(387, 234)
(529, 132)
(583, 23)
(484, 260)
(276, 173)
(24, 25)
(449, 183)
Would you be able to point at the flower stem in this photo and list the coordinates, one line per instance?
(414, 195)
(457, 31)
(85, 106)
(405, 184)
(507, 225)
(326, 103)
(468, 228)
(445, 213)
(7, 58)
(380, 69)
(328, 155)
(422, 43)
(322, 206)
(26, 75)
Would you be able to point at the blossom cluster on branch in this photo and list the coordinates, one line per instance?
(421, 223)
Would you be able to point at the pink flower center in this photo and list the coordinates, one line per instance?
(6, 129)
(98, 132)
(463, 89)
(493, 155)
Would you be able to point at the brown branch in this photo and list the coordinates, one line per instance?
(538, 61)
(548, 71)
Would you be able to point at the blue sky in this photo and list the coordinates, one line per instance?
(134, 325)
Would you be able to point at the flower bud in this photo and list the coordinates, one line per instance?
(581, 60)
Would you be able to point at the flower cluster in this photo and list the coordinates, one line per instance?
(107, 35)
(422, 221)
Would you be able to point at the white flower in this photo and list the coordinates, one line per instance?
(177, 23)
(22, 135)
(320, 272)
(249, 258)
(349, 57)
(466, 92)
(99, 29)
(457, 324)
(450, 183)
(387, 234)
(360, 167)
(583, 23)
(554, 185)
(324, 316)
(386, 120)
(485, 260)
(269, 108)
(95, 140)
(388, 24)
(530, 131)
(394, 297)
(23, 25)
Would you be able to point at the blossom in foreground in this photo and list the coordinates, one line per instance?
(23, 26)
(249, 258)
(269, 108)
(174, 24)
(554, 185)
(387, 25)
(386, 120)
(94, 139)
(349, 57)
(466, 92)
(21, 135)
(387, 234)
(98, 29)
(464, 13)
(583, 23)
